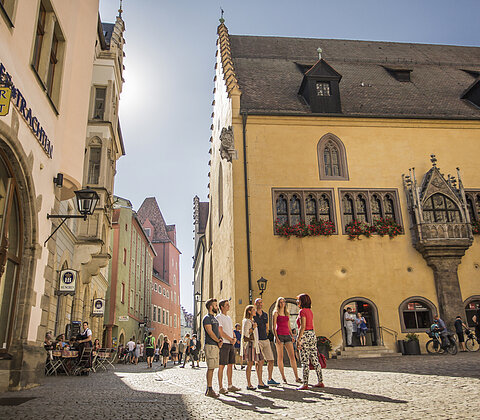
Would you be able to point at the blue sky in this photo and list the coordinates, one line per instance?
(165, 107)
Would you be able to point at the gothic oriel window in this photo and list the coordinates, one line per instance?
(332, 158)
(440, 209)
(369, 205)
(473, 204)
(94, 165)
(294, 206)
(99, 106)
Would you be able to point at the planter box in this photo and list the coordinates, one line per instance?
(412, 347)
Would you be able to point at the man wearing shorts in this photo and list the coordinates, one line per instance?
(227, 352)
(213, 343)
(261, 318)
(150, 348)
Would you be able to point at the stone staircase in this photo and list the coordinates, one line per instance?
(366, 351)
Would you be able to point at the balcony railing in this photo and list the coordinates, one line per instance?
(441, 231)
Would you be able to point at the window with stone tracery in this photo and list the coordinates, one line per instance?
(332, 158)
(440, 209)
(294, 206)
(473, 205)
(369, 205)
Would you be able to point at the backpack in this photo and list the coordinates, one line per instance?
(149, 341)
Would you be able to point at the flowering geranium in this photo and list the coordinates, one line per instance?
(476, 228)
(387, 226)
(323, 341)
(355, 229)
(300, 230)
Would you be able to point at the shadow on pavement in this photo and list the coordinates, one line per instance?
(344, 392)
(460, 365)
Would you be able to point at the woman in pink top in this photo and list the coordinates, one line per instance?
(284, 337)
(307, 341)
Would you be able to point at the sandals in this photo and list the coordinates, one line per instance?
(251, 388)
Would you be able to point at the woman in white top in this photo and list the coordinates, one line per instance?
(249, 349)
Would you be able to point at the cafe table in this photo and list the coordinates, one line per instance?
(66, 358)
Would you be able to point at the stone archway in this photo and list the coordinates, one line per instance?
(369, 311)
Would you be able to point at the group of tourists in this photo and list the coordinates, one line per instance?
(354, 324)
(250, 341)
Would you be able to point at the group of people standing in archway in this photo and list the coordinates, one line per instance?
(255, 347)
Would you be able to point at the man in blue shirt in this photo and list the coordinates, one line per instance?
(442, 329)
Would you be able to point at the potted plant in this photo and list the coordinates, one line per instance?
(324, 345)
(412, 345)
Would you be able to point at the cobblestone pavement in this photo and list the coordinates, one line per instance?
(410, 387)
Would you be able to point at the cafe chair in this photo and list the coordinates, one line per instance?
(52, 364)
(84, 363)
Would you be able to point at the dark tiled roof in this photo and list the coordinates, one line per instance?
(150, 210)
(203, 217)
(107, 32)
(269, 74)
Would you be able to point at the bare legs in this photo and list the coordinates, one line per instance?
(279, 347)
(291, 356)
(363, 340)
(249, 374)
(209, 377)
(258, 368)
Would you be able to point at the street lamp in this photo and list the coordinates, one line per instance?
(262, 285)
(87, 200)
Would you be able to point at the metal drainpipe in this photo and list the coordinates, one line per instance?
(247, 216)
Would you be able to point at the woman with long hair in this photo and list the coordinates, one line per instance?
(249, 348)
(165, 351)
(284, 337)
(307, 341)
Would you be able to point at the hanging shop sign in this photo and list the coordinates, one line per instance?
(98, 307)
(5, 94)
(27, 113)
(68, 279)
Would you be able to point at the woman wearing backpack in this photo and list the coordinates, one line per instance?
(361, 329)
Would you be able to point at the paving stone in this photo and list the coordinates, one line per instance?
(410, 387)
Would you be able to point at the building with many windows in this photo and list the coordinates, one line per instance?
(321, 181)
(129, 298)
(46, 59)
(165, 293)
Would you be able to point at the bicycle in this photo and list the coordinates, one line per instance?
(434, 346)
(471, 343)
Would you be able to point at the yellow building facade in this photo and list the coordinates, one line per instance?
(338, 152)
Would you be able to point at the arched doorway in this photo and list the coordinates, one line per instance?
(10, 251)
(369, 310)
(472, 307)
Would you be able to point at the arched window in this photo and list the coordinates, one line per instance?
(348, 209)
(389, 207)
(332, 158)
(220, 194)
(281, 207)
(471, 209)
(361, 207)
(310, 209)
(324, 208)
(376, 207)
(295, 210)
(440, 209)
(10, 250)
(416, 314)
(472, 307)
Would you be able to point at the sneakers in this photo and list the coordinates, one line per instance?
(233, 388)
(319, 385)
(273, 382)
(263, 386)
(222, 391)
(211, 393)
(302, 388)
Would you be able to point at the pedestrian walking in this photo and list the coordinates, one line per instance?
(173, 352)
(137, 352)
(165, 352)
(213, 343)
(348, 321)
(227, 352)
(131, 350)
(362, 328)
(141, 355)
(181, 349)
(261, 319)
(284, 337)
(149, 348)
(250, 349)
(187, 349)
(307, 341)
(459, 326)
(157, 354)
(238, 337)
(195, 347)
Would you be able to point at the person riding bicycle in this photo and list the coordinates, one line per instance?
(442, 330)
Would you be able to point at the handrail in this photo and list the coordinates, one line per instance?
(390, 331)
(335, 333)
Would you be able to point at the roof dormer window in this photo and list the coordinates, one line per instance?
(401, 74)
(323, 88)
